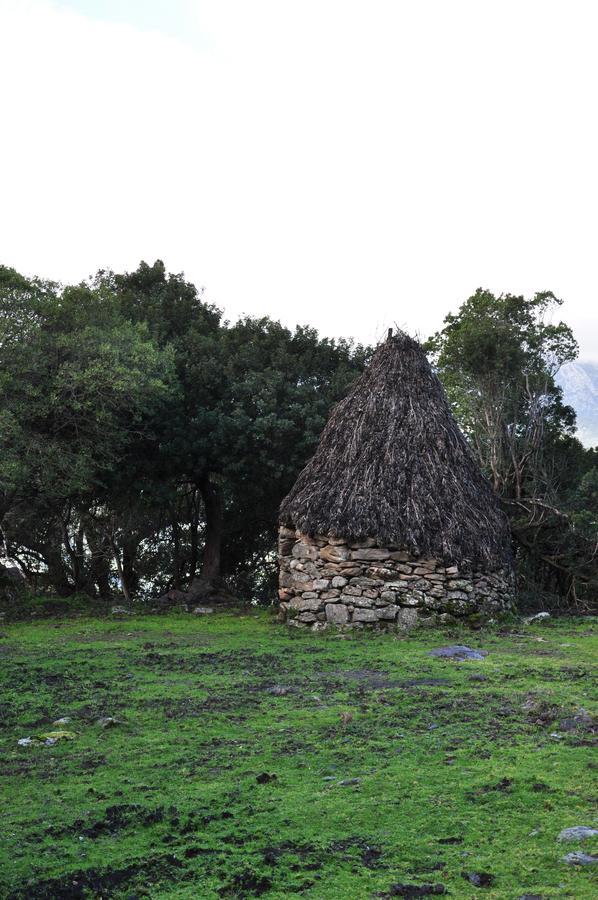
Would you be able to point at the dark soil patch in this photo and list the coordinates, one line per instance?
(539, 788)
(351, 849)
(84, 883)
(368, 855)
(504, 786)
(116, 818)
(246, 884)
(266, 778)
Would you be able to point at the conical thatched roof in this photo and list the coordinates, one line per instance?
(393, 465)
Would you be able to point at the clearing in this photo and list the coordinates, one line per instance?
(251, 760)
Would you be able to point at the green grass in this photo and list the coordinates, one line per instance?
(460, 776)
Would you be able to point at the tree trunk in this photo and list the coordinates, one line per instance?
(176, 563)
(57, 575)
(214, 514)
(119, 569)
(194, 525)
(75, 554)
(130, 546)
(99, 565)
(100, 570)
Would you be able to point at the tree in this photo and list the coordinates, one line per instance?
(276, 391)
(249, 402)
(254, 397)
(80, 390)
(498, 357)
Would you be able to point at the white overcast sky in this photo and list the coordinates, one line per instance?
(350, 164)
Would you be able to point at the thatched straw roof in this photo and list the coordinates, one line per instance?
(392, 464)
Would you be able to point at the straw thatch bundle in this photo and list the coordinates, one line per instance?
(393, 465)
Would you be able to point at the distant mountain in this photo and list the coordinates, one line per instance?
(579, 381)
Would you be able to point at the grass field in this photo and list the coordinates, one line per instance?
(250, 760)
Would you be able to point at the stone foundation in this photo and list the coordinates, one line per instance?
(358, 583)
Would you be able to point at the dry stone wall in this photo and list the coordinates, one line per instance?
(358, 583)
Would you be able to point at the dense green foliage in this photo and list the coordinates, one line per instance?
(453, 774)
(143, 438)
(497, 358)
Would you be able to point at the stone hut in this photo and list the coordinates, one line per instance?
(391, 520)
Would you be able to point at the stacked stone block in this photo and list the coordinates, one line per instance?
(359, 583)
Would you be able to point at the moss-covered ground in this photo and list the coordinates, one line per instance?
(250, 760)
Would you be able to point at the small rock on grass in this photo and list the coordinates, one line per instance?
(65, 720)
(49, 738)
(580, 859)
(107, 722)
(479, 879)
(458, 651)
(349, 781)
(278, 690)
(539, 617)
(581, 721)
(577, 833)
(121, 611)
(203, 610)
(58, 736)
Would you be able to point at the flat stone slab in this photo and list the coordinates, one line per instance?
(580, 859)
(278, 690)
(577, 833)
(458, 651)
